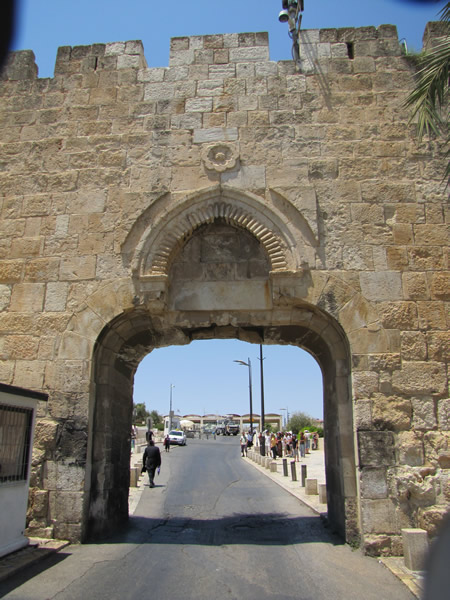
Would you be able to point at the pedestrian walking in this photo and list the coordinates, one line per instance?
(151, 461)
(167, 443)
(280, 444)
(273, 446)
(302, 443)
(243, 442)
(295, 447)
(307, 441)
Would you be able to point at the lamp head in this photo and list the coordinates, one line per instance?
(283, 17)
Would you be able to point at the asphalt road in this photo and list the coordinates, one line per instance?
(214, 527)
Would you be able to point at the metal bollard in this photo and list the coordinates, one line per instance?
(304, 475)
(293, 471)
(285, 467)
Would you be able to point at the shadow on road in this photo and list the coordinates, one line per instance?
(271, 529)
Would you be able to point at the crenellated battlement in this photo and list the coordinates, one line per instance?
(319, 48)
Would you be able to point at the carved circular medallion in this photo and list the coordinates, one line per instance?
(220, 157)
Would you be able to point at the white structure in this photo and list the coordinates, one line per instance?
(17, 418)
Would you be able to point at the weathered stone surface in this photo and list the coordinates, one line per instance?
(410, 448)
(376, 448)
(339, 245)
(374, 483)
(391, 412)
(431, 519)
(420, 378)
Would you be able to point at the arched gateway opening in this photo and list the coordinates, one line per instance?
(217, 266)
(132, 335)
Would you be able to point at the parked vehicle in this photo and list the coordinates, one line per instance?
(177, 438)
(227, 427)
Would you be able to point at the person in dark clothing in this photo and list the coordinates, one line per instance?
(151, 461)
(167, 443)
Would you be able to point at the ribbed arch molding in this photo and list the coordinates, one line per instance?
(159, 245)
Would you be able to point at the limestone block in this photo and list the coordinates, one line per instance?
(65, 506)
(64, 477)
(27, 297)
(378, 516)
(413, 346)
(432, 315)
(45, 434)
(363, 414)
(399, 315)
(432, 518)
(364, 384)
(39, 502)
(415, 548)
(245, 55)
(410, 448)
(381, 286)
(373, 483)
(76, 268)
(74, 346)
(134, 476)
(210, 88)
(424, 413)
(443, 414)
(391, 412)
(440, 286)
(436, 445)
(378, 545)
(29, 374)
(439, 345)
(184, 57)
(311, 488)
(370, 340)
(5, 296)
(322, 493)
(215, 134)
(376, 448)
(247, 178)
(357, 313)
(420, 378)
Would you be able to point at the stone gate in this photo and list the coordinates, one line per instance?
(227, 196)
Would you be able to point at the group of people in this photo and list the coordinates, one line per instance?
(283, 444)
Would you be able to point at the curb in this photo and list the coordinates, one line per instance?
(37, 550)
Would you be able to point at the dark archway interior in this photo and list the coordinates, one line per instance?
(131, 336)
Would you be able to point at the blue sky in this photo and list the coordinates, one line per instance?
(205, 377)
(44, 25)
(207, 380)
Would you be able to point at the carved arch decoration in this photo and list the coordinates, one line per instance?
(160, 240)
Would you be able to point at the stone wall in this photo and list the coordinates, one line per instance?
(109, 168)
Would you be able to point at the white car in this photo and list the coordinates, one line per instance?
(177, 437)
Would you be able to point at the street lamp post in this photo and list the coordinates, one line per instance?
(249, 365)
(286, 416)
(263, 437)
(170, 408)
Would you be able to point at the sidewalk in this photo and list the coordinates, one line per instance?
(315, 462)
(315, 466)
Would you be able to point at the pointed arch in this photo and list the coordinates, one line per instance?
(169, 225)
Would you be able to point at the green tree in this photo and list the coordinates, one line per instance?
(157, 419)
(298, 421)
(429, 99)
(140, 412)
